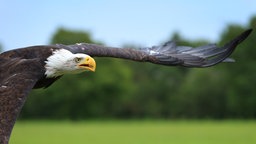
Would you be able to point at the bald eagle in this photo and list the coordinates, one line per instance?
(24, 69)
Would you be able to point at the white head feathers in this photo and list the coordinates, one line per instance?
(61, 62)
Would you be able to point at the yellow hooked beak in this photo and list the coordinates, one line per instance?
(88, 63)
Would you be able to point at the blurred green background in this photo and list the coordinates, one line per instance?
(121, 89)
(130, 102)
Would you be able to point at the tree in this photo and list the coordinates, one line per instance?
(65, 36)
(241, 93)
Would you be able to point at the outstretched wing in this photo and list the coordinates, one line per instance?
(17, 78)
(168, 54)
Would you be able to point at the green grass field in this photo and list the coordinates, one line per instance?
(134, 132)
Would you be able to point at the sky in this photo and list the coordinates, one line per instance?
(116, 22)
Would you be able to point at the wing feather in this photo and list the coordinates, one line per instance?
(167, 54)
(17, 78)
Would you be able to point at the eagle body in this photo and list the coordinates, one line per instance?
(23, 69)
(25, 59)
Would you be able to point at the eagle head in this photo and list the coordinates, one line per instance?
(63, 61)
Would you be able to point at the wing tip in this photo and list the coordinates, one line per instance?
(164, 53)
(230, 47)
(244, 35)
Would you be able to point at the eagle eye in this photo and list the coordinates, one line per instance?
(77, 59)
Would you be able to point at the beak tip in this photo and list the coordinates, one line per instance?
(91, 64)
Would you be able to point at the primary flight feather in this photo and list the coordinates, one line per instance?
(23, 69)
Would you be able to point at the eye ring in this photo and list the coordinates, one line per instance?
(77, 59)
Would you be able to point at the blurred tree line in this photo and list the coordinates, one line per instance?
(127, 89)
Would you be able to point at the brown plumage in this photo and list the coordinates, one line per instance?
(24, 69)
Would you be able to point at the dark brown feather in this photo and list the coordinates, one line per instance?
(16, 81)
(167, 54)
(20, 71)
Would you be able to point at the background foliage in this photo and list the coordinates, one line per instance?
(125, 89)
